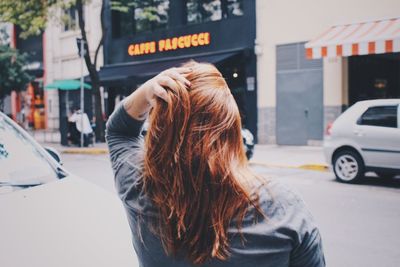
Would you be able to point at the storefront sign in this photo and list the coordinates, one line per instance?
(251, 83)
(170, 44)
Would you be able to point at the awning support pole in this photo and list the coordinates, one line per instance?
(82, 93)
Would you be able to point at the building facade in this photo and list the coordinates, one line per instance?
(26, 107)
(285, 95)
(156, 35)
(62, 61)
(5, 39)
(298, 97)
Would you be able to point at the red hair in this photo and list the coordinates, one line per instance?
(195, 166)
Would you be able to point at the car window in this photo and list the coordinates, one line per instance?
(398, 116)
(21, 163)
(384, 116)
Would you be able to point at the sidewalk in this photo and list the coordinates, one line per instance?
(48, 138)
(304, 157)
(97, 148)
(310, 157)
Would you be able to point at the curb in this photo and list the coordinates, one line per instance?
(91, 151)
(315, 167)
(312, 167)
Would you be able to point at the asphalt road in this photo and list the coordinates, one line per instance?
(359, 223)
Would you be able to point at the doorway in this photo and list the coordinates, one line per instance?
(299, 102)
(374, 77)
(239, 73)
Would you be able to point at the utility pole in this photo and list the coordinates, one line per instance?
(81, 51)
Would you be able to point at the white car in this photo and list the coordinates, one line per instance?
(50, 217)
(366, 137)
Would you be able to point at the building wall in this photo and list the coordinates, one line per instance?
(4, 40)
(61, 55)
(284, 22)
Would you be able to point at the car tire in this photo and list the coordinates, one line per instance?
(386, 175)
(348, 166)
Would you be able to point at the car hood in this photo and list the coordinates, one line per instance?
(69, 222)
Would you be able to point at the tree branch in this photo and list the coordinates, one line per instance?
(81, 22)
(103, 33)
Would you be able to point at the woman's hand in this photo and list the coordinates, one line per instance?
(155, 87)
(140, 101)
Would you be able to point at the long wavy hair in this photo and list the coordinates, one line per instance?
(195, 168)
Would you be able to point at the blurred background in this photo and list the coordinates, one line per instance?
(281, 59)
(294, 68)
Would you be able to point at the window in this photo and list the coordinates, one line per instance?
(135, 16)
(70, 19)
(233, 8)
(212, 10)
(15, 149)
(122, 23)
(384, 116)
(151, 15)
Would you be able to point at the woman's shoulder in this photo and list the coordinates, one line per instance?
(280, 201)
(283, 193)
(286, 222)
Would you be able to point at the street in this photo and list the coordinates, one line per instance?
(358, 223)
(309, 84)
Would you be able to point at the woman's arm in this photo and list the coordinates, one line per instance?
(309, 253)
(124, 125)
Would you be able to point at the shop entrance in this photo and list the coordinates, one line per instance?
(239, 73)
(374, 77)
(233, 70)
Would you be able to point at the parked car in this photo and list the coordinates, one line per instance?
(248, 139)
(50, 217)
(366, 137)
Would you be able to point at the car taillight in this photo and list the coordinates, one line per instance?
(329, 128)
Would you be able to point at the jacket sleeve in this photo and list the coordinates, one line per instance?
(122, 136)
(309, 253)
(307, 250)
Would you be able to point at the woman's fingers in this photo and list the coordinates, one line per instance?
(179, 77)
(179, 74)
(183, 70)
(160, 92)
(169, 78)
(167, 81)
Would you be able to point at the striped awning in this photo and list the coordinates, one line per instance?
(374, 37)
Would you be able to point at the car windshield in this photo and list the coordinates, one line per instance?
(21, 163)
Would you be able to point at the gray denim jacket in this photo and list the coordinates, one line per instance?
(288, 238)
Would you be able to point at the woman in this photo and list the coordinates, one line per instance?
(189, 194)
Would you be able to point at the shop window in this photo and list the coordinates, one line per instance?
(233, 8)
(122, 23)
(151, 15)
(384, 116)
(199, 11)
(135, 16)
(70, 19)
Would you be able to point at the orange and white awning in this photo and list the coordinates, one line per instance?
(374, 37)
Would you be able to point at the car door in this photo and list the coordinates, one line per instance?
(378, 134)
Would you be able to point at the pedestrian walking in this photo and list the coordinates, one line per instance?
(79, 123)
(190, 196)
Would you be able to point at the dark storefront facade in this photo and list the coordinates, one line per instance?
(221, 32)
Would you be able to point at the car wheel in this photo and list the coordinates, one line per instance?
(348, 166)
(386, 175)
